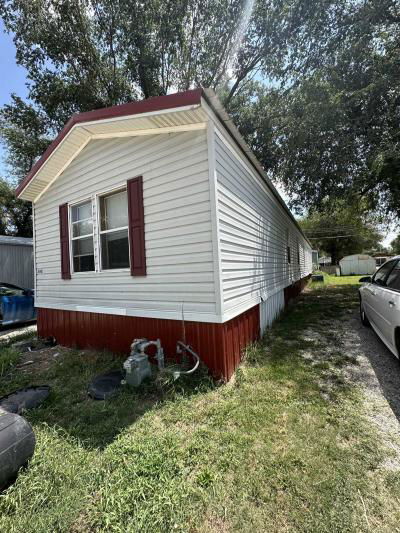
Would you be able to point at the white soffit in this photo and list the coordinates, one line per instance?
(168, 121)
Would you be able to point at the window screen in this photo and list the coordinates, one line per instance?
(82, 237)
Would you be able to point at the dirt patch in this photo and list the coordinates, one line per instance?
(378, 375)
(40, 360)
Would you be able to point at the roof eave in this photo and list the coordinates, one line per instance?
(156, 104)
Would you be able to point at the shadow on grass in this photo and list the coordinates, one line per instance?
(385, 365)
(306, 327)
(96, 423)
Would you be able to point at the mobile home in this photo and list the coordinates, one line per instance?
(154, 219)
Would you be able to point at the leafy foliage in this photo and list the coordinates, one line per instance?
(334, 125)
(86, 54)
(23, 130)
(313, 85)
(15, 215)
(395, 245)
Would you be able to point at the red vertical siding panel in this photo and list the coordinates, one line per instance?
(60, 331)
(228, 349)
(40, 322)
(219, 346)
(236, 342)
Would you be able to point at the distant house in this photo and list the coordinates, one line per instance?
(154, 219)
(325, 260)
(16, 261)
(381, 259)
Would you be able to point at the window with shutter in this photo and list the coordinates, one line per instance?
(82, 237)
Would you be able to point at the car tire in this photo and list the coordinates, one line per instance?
(363, 316)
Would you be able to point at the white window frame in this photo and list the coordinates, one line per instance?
(100, 232)
(72, 238)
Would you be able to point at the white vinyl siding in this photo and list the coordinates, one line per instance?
(271, 308)
(253, 232)
(178, 231)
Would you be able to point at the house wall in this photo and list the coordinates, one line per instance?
(252, 234)
(271, 308)
(178, 230)
(216, 241)
(16, 265)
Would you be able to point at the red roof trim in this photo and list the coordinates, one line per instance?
(158, 103)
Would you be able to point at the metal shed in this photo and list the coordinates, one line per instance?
(354, 265)
(16, 261)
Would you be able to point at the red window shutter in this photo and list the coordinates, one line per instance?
(64, 242)
(136, 226)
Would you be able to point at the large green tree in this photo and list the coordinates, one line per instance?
(15, 215)
(342, 230)
(314, 85)
(85, 54)
(333, 125)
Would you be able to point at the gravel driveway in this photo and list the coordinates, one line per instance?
(378, 374)
(370, 367)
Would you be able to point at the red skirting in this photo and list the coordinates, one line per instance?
(295, 289)
(220, 346)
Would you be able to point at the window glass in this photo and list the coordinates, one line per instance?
(83, 254)
(82, 237)
(114, 231)
(380, 277)
(82, 228)
(114, 211)
(393, 280)
(115, 249)
(81, 211)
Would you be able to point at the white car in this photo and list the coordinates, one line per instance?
(380, 303)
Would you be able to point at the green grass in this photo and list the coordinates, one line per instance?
(267, 452)
(8, 358)
(337, 280)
